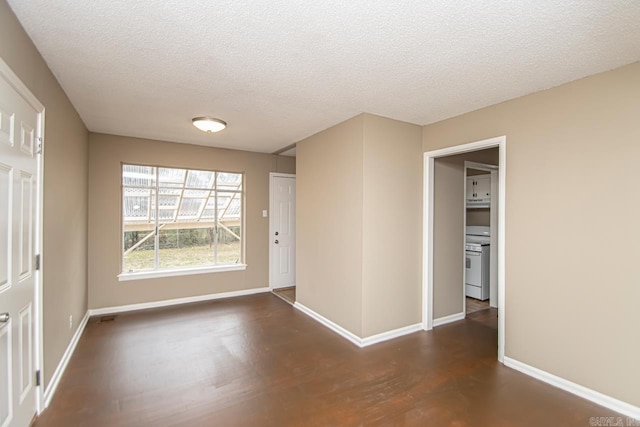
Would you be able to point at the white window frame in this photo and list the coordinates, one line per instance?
(170, 272)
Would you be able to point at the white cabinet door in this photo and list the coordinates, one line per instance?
(471, 188)
(479, 190)
(18, 190)
(483, 187)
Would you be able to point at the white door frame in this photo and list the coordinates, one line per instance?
(272, 226)
(427, 242)
(38, 348)
(493, 257)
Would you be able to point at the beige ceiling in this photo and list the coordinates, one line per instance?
(280, 70)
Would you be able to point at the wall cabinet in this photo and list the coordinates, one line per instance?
(479, 191)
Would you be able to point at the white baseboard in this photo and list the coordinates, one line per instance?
(329, 324)
(62, 366)
(448, 319)
(389, 335)
(360, 342)
(176, 301)
(584, 392)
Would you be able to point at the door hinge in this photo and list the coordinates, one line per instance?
(38, 262)
(39, 145)
(37, 378)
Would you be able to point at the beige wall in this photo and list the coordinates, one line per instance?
(65, 192)
(329, 223)
(571, 235)
(448, 233)
(107, 153)
(479, 217)
(392, 225)
(359, 216)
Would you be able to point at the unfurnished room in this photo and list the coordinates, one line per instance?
(293, 213)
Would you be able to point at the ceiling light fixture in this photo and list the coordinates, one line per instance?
(209, 124)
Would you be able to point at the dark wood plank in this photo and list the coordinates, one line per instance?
(256, 361)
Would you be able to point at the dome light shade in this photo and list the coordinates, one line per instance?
(209, 124)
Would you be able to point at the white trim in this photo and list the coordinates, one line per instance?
(448, 319)
(577, 389)
(273, 175)
(123, 277)
(427, 243)
(19, 86)
(353, 338)
(427, 261)
(480, 166)
(329, 324)
(38, 348)
(389, 335)
(62, 366)
(176, 301)
(281, 297)
(502, 229)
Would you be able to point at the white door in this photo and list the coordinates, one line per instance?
(18, 198)
(283, 231)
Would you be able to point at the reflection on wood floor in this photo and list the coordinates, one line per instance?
(474, 305)
(287, 294)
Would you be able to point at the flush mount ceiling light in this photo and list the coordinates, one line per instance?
(209, 124)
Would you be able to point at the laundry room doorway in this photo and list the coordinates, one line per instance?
(446, 196)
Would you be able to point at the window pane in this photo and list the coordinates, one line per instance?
(200, 179)
(229, 206)
(136, 204)
(229, 249)
(229, 181)
(190, 208)
(185, 247)
(139, 248)
(138, 176)
(169, 177)
(196, 193)
(166, 214)
(186, 203)
(229, 231)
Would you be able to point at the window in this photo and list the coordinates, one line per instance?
(177, 219)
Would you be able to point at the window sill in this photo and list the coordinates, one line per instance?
(122, 277)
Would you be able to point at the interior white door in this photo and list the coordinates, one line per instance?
(18, 191)
(283, 232)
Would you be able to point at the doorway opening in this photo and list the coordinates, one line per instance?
(437, 240)
(282, 235)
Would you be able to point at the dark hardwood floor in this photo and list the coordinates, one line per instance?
(257, 361)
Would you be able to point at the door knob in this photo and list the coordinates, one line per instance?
(277, 233)
(276, 242)
(4, 317)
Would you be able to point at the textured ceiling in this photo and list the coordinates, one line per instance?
(280, 70)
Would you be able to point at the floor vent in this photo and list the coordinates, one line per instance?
(104, 319)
